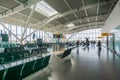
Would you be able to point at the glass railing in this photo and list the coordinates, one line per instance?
(116, 42)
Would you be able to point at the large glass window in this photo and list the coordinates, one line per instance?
(18, 31)
(92, 34)
(117, 40)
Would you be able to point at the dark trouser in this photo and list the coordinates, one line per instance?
(99, 51)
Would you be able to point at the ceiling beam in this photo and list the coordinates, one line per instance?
(43, 23)
(88, 26)
(77, 28)
(84, 28)
(48, 20)
(86, 7)
(28, 21)
(72, 35)
(18, 21)
(72, 10)
(9, 30)
(31, 2)
(100, 23)
(75, 10)
(84, 24)
(96, 4)
(19, 8)
(99, 15)
(28, 16)
(113, 20)
(50, 36)
(30, 24)
(18, 1)
(97, 11)
(4, 8)
(12, 20)
(93, 27)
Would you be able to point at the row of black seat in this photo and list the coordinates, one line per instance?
(7, 57)
(14, 49)
(20, 49)
(66, 52)
(21, 71)
(39, 50)
(17, 53)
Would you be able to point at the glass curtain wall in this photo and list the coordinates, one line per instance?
(92, 34)
(18, 30)
(116, 40)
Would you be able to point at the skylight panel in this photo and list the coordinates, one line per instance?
(45, 9)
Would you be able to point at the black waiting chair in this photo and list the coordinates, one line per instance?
(38, 64)
(2, 74)
(27, 69)
(1, 58)
(66, 53)
(13, 73)
(7, 57)
(46, 61)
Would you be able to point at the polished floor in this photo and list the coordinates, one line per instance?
(83, 65)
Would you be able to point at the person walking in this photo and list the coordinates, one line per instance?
(77, 43)
(87, 44)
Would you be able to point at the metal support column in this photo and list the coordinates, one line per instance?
(107, 43)
(49, 35)
(39, 33)
(44, 36)
(9, 31)
(16, 33)
(3, 30)
(113, 41)
(27, 22)
(72, 36)
(44, 22)
(30, 36)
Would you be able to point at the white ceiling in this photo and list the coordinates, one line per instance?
(84, 14)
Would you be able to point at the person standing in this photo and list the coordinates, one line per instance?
(77, 43)
(99, 47)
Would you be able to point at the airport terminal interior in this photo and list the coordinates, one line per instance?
(59, 39)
